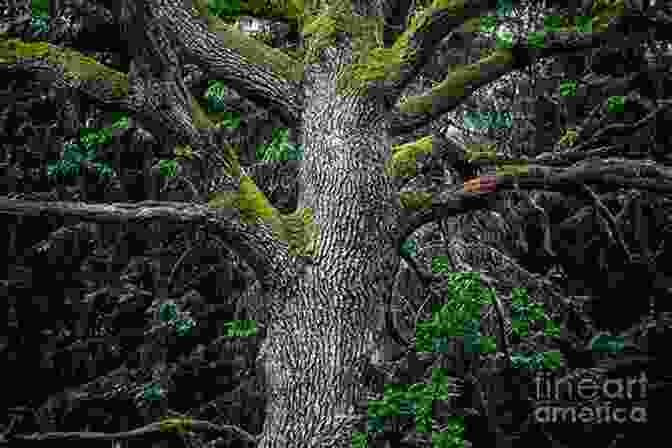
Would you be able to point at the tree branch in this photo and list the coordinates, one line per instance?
(454, 200)
(258, 72)
(417, 43)
(418, 111)
(254, 242)
(147, 431)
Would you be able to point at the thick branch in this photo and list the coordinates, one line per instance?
(417, 111)
(254, 242)
(458, 199)
(259, 73)
(417, 43)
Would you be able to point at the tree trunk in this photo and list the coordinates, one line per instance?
(326, 325)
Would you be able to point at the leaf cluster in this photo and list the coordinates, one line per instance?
(279, 148)
(85, 150)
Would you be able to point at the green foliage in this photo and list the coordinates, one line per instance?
(231, 120)
(605, 342)
(180, 321)
(120, 120)
(229, 8)
(167, 167)
(359, 440)
(536, 361)
(73, 155)
(440, 263)
(279, 148)
(85, 149)
(39, 24)
(453, 437)
(216, 96)
(408, 249)
(167, 311)
(459, 317)
(409, 400)
(183, 325)
(153, 392)
(482, 120)
(241, 328)
(39, 7)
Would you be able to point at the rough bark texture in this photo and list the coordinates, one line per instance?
(324, 329)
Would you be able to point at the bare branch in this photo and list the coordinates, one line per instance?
(147, 431)
(611, 227)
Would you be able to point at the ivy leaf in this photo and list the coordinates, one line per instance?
(408, 248)
(153, 392)
(122, 123)
(605, 342)
(167, 311)
(167, 167)
(224, 7)
(104, 170)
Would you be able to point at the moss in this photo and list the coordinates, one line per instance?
(456, 85)
(603, 11)
(514, 168)
(298, 229)
(404, 157)
(223, 199)
(76, 66)
(253, 203)
(280, 63)
(480, 151)
(12, 49)
(202, 119)
(415, 199)
(272, 8)
(378, 63)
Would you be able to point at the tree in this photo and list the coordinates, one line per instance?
(326, 269)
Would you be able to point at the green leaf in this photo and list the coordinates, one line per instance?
(120, 124)
(552, 329)
(167, 311)
(408, 248)
(184, 326)
(224, 7)
(552, 359)
(153, 392)
(103, 170)
(167, 167)
(607, 343)
(440, 263)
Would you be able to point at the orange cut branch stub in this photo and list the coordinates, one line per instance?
(481, 184)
